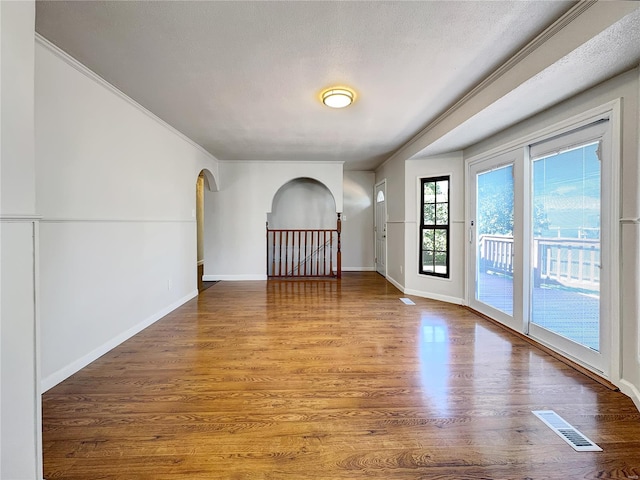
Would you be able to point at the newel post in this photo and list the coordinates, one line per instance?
(339, 253)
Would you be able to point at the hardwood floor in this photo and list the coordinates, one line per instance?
(330, 379)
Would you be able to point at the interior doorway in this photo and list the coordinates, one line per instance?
(200, 230)
(380, 228)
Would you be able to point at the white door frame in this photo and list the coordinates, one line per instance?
(610, 287)
(510, 158)
(380, 186)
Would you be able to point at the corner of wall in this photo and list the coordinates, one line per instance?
(65, 372)
(395, 283)
(631, 391)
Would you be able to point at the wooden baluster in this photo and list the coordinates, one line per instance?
(306, 255)
(273, 252)
(331, 253)
(273, 260)
(299, 252)
(291, 245)
(325, 272)
(280, 256)
(286, 254)
(324, 252)
(319, 272)
(309, 256)
(317, 250)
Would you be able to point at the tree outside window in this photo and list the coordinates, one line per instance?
(434, 227)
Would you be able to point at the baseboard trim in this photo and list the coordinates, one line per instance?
(435, 296)
(630, 390)
(558, 356)
(232, 278)
(395, 283)
(358, 269)
(65, 372)
(430, 296)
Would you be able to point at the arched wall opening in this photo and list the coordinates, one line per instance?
(302, 203)
(205, 181)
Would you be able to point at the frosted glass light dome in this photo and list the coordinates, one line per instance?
(337, 97)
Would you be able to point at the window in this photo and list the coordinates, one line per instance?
(434, 227)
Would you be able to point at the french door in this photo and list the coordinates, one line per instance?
(541, 225)
(491, 234)
(568, 288)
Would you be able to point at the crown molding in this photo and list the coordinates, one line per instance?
(87, 72)
(560, 24)
(285, 162)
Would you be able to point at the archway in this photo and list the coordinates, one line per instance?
(204, 181)
(302, 203)
(303, 231)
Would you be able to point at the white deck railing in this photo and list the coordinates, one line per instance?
(567, 261)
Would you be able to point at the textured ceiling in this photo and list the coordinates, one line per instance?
(242, 79)
(609, 53)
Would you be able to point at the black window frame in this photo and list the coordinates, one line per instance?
(434, 227)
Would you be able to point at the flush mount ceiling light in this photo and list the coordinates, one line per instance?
(337, 97)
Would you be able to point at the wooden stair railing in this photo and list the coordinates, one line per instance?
(304, 252)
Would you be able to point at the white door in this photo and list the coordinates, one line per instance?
(491, 227)
(570, 237)
(381, 228)
(543, 251)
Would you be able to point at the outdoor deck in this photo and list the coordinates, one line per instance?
(570, 312)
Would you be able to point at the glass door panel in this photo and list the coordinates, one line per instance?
(494, 238)
(565, 258)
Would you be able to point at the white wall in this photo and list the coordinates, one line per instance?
(236, 215)
(116, 191)
(394, 174)
(303, 204)
(402, 240)
(20, 418)
(627, 88)
(358, 245)
(403, 198)
(447, 289)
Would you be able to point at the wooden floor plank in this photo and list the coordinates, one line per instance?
(330, 379)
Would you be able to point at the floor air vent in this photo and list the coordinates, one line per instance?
(569, 434)
(407, 301)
